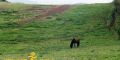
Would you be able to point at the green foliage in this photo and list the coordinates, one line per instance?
(3, 0)
(117, 2)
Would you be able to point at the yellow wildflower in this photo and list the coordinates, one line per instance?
(32, 56)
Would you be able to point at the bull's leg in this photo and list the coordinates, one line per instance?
(74, 44)
(78, 44)
(71, 45)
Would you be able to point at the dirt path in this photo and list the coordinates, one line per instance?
(46, 13)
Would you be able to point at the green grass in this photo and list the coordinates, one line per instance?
(50, 38)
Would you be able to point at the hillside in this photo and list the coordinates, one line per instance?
(50, 37)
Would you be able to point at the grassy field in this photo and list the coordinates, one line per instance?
(50, 38)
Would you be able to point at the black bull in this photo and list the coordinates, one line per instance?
(75, 42)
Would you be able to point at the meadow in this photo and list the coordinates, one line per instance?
(50, 37)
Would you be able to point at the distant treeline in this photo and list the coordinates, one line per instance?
(3, 0)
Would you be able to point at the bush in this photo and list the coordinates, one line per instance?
(3, 0)
(7, 12)
(9, 25)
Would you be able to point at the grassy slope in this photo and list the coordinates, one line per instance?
(50, 38)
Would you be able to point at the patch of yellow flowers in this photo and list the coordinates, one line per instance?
(32, 56)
